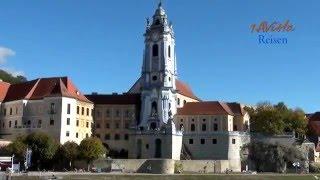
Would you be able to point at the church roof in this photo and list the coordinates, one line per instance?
(181, 87)
(211, 108)
(44, 87)
(185, 90)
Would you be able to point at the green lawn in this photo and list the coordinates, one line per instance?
(172, 177)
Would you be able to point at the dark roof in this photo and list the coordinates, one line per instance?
(44, 87)
(120, 99)
(211, 108)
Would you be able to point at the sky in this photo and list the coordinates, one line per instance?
(99, 45)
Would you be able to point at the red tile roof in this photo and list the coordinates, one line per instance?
(120, 99)
(182, 88)
(44, 87)
(3, 90)
(314, 123)
(211, 108)
(185, 90)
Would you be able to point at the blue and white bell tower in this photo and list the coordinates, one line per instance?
(155, 135)
(159, 72)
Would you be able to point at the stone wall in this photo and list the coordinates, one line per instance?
(167, 166)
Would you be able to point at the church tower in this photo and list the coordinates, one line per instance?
(159, 72)
(155, 135)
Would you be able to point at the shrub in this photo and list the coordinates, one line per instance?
(314, 167)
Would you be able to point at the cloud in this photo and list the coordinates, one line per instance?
(5, 53)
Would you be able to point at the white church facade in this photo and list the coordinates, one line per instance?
(160, 117)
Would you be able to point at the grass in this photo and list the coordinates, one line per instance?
(171, 177)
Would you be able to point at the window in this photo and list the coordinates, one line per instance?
(87, 124)
(52, 108)
(184, 102)
(16, 110)
(82, 111)
(215, 127)
(214, 141)
(15, 123)
(107, 136)
(78, 109)
(126, 125)
(117, 125)
(154, 78)
(233, 141)
(204, 120)
(193, 127)
(39, 123)
(169, 51)
(98, 125)
(77, 123)
(68, 121)
(51, 121)
(98, 113)
(147, 146)
(155, 50)
(202, 141)
(77, 135)
(204, 127)
(126, 113)
(235, 128)
(10, 111)
(181, 120)
(87, 111)
(67, 133)
(117, 137)
(107, 113)
(190, 141)
(9, 124)
(126, 137)
(68, 109)
(181, 127)
(107, 125)
(117, 113)
(87, 135)
(178, 102)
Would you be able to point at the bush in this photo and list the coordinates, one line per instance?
(314, 167)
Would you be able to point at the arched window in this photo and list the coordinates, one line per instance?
(154, 109)
(155, 50)
(169, 51)
(153, 126)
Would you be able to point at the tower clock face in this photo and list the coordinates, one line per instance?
(155, 36)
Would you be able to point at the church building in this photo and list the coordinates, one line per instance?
(161, 117)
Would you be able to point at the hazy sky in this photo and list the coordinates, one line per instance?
(99, 45)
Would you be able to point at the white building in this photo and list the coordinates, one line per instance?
(50, 105)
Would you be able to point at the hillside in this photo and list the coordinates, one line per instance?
(7, 77)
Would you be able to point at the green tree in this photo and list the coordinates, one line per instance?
(43, 148)
(7, 77)
(70, 151)
(91, 149)
(273, 157)
(18, 148)
(276, 119)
